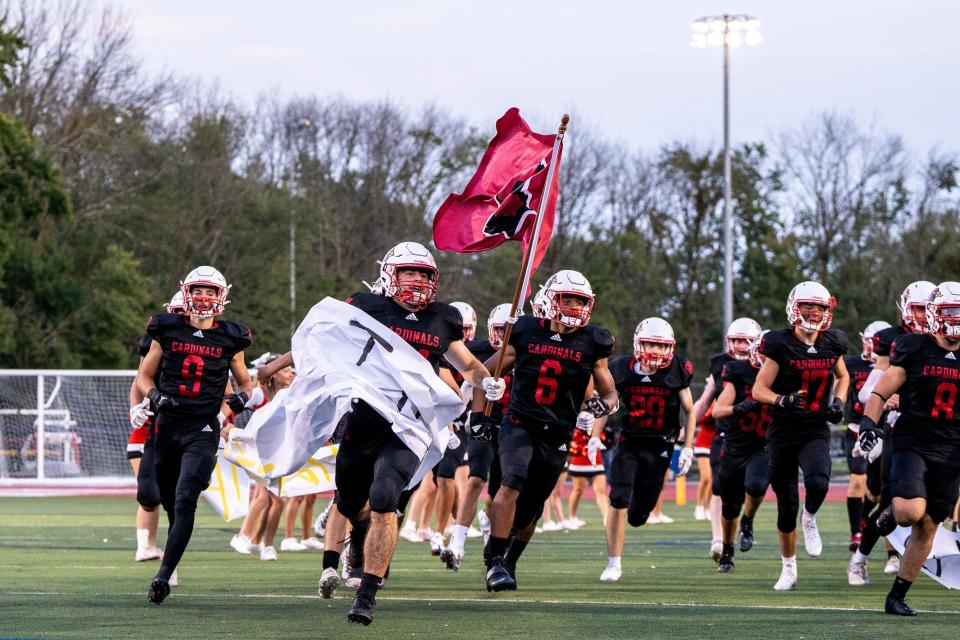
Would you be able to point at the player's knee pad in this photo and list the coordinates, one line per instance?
(787, 516)
(731, 510)
(148, 495)
(619, 497)
(385, 493)
(637, 517)
(715, 485)
(756, 487)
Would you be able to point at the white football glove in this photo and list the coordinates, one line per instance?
(875, 452)
(454, 441)
(256, 398)
(494, 388)
(594, 446)
(585, 421)
(686, 459)
(140, 413)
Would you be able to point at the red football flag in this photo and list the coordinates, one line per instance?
(502, 199)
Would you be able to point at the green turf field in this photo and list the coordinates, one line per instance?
(67, 571)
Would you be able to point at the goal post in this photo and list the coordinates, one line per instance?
(61, 426)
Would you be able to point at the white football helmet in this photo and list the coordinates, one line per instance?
(914, 299)
(540, 304)
(741, 329)
(469, 319)
(412, 255)
(943, 310)
(497, 323)
(757, 358)
(204, 277)
(811, 293)
(869, 337)
(656, 330)
(566, 284)
(176, 303)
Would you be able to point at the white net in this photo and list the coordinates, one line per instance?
(64, 424)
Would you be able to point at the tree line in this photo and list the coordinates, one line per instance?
(116, 182)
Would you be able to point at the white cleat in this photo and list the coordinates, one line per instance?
(148, 553)
(484, 521)
(716, 550)
(857, 574)
(329, 581)
(268, 554)
(665, 519)
(473, 532)
(451, 558)
(409, 534)
(320, 524)
(291, 544)
(437, 543)
(811, 535)
(353, 582)
(892, 566)
(241, 545)
(611, 574)
(312, 543)
(173, 582)
(788, 578)
(552, 526)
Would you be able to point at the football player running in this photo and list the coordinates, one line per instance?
(925, 445)
(741, 333)
(553, 359)
(804, 379)
(913, 310)
(482, 451)
(654, 384)
(859, 367)
(193, 356)
(373, 463)
(147, 516)
(744, 467)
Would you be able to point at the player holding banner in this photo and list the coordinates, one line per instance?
(925, 448)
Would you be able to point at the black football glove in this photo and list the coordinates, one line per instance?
(792, 402)
(598, 407)
(745, 407)
(870, 434)
(835, 412)
(160, 402)
(237, 401)
(460, 422)
(480, 429)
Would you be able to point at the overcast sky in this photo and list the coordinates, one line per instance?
(625, 68)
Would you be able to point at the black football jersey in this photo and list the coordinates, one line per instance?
(803, 367)
(552, 370)
(143, 345)
(929, 407)
(886, 337)
(859, 370)
(746, 434)
(717, 362)
(651, 401)
(429, 331)
(195, 366)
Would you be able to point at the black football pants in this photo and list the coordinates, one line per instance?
(186, 453)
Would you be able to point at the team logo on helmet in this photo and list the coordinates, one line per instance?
(943, 310)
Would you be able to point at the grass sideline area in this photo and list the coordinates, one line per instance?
(67, 571)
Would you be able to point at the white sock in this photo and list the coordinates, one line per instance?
(859, 558)
(716, 511)
(458, 537)
(613, 561)
(143, 535)
(789, 562)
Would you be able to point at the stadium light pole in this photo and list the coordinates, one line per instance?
(727, 30)
(293, 128)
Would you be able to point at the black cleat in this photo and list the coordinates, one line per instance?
(362, 609)
(746, 536)
(886, 523)
(499, 578)
(726, 563)
(159, 590)
(897, 606)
